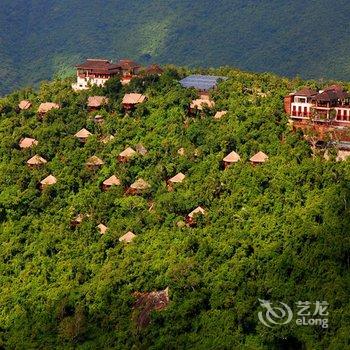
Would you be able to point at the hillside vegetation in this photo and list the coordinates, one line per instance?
(309, 38)
(279, 231)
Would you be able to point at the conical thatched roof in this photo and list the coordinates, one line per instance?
(141, 149)
(102, 228)
(47, 106)
(233, 157)
(79, 218)
(259, 157)
(200, 103)
(181, 151)
(133, 99)
(49, 180)
(24, 104)
(113, 180)
(97, 101)
(154, 69)
(128, 237)
(27, 142)
(197, 211)
(342, 155)
(83, 134)
(94, 161)
(220, 114)
(107, 139)
(177, 178)
(140, 184)
(128, 152)
(36, 160)
(98, 118)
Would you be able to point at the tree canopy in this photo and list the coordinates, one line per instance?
(277, 231)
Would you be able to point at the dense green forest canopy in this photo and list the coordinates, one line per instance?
(44, 38)
(279, 231)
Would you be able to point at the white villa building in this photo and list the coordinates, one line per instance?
(95, 72)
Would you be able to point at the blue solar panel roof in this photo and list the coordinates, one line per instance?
(201, 82)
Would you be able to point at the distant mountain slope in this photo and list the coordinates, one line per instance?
(42, 38)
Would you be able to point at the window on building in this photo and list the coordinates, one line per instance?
(339, 114)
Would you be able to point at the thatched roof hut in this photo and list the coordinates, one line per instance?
(102, 228)
(111, 181)
(140, 184)
(201, 103)
(24, 104)
(94, 162)
(231, 158)
(181, 151)
(154, 69)
(47, 106)
(191, 217)
(197, 211)
(27, 142)
(48, 181)
(98, 119)
(138, 187)
(126, 155)
(133, 99)
(219, 115)
(107, 139)
(36, 161)
(83, 135)
(96, 102)
(178, 178)
(77, 220)
(259, 158)
(128, 237)
(140, 149)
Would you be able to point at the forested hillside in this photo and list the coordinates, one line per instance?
(45, 38)
(278, 231)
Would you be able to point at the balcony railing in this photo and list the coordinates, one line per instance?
(322, 117)
(94, 76)
(301, 114)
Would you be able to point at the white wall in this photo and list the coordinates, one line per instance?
(83, 83)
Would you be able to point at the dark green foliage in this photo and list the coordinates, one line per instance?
(279, 231)
(47, 38)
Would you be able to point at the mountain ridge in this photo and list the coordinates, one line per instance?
(289, 39)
